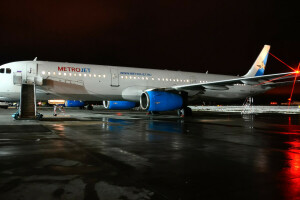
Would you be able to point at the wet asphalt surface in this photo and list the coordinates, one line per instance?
(127, 155)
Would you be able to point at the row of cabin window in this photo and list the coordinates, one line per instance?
(122, 77)
(73, 74)
(8, 71)
(160, 79)
(2, 70)
(240, 84)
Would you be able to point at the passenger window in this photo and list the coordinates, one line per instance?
(8, 70)
(2, 70)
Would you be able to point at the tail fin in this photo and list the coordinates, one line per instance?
(258, 67)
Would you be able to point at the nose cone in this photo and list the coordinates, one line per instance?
(2, 96)
(5, 73)
(2, 70)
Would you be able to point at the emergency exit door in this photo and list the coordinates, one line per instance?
(114, 77)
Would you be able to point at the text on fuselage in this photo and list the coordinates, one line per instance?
(135, 74)
(74, 69)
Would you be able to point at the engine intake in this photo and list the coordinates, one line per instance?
(160, 101)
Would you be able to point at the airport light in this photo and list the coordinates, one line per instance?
(297, 72)
(56, 101)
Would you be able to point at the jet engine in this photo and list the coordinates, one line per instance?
(118, 105)
(160, 101)
(74, 103)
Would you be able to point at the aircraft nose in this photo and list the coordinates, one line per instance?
(1, 78)
(3, 84)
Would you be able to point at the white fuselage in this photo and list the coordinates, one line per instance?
(87, 82)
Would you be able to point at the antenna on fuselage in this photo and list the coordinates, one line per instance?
(35, 59)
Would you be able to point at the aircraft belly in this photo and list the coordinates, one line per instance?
(84, 97)
(9, 96)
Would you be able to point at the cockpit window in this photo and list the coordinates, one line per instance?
(1, 70)
(8, 70)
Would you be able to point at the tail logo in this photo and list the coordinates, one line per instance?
(261, 66)
(261, 69)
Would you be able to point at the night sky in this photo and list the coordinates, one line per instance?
(220, 36)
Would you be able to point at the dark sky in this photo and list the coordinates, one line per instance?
(221, 36)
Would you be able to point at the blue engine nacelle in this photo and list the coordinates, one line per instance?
(74, 103)
(160, 101)
(118, 105)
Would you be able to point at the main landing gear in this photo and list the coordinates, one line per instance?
(184, 112)
(90, 107)
(152, 113)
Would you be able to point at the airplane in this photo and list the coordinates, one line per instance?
(153, 90)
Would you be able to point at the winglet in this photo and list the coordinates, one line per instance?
(258, 67)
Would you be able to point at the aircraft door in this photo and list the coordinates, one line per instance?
(114, 77)
(192, 79)
(31, 69)
(30, 73)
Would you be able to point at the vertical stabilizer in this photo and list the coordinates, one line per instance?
(258, 68)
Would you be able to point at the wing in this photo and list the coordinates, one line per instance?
(223, 84)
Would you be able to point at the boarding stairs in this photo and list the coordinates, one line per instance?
(27, 109)
(28, 80)
(248, 106)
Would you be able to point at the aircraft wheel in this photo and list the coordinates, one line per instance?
(16, 116)
(180, 113)
(90, 107)
(187, 111)
(39, 116)
(152, 113)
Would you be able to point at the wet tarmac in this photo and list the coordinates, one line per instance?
(127, 155)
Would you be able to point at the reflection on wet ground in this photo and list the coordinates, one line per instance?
(128, 155)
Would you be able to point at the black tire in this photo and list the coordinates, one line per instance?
(180, 112)
(90, 107)
(184, 112)
(188, 111)
(39, 116)
(154, 112)
(16, 116)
